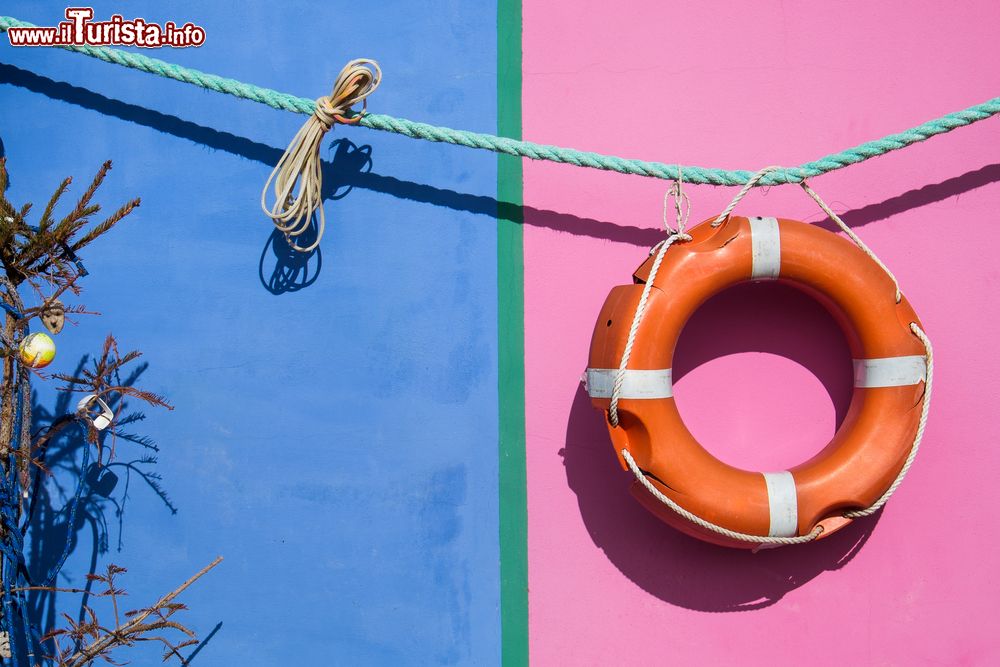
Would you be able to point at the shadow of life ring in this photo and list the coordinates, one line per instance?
(680, 481)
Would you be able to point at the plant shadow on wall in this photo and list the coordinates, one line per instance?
(56, 529)
(100, 509)
(678, 569)
(50, 497)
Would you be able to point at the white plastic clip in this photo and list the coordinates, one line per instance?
(101, 421)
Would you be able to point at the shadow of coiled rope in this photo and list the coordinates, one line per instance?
(282, 269)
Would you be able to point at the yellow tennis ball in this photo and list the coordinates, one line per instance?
(37, 350)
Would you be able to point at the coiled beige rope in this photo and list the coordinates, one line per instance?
(293, 207)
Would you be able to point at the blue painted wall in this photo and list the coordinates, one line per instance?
(337, 442)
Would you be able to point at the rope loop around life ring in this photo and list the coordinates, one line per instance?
(629, 378)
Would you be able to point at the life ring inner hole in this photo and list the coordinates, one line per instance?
(762, 376)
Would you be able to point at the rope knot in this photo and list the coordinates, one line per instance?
(682, 207)
(750, 184)
(298, 176)
(354, 84)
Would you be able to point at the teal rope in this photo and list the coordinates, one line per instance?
(409, 128)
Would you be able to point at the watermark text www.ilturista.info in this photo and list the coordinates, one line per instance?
(79, 29)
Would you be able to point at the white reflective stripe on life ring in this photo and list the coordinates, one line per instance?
(783, 503)
(637, 384)
(765, 241)
(890, 371)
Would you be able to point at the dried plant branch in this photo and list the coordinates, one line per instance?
(28, 252)
(44, 256)
(101, 379)
(105, 226)
(138, 627)
(46, 220)
(96, 183)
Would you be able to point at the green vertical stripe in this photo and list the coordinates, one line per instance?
(510, 307)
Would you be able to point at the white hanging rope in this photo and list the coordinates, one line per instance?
(292, 211)
(743, 193)
(817, 530)
(921, 425)
(708, 525)
(822, 204)
(674, 235)
(613, 417)
(682, 205)
(616, 388)
(854, 237)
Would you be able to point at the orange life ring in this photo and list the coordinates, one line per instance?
(871, 446)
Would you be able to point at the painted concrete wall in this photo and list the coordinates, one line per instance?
(763, 375)
(335, 431)
(336, 443)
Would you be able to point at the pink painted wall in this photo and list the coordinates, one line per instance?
(763, 374)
